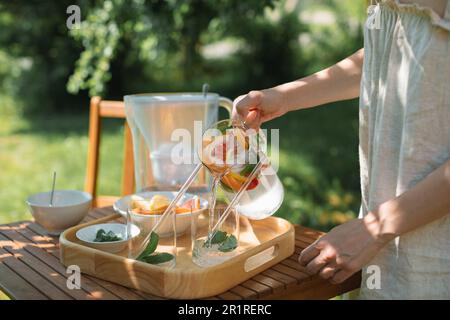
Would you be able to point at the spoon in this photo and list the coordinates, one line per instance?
(53, 189)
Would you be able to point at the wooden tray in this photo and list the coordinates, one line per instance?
(266, 242)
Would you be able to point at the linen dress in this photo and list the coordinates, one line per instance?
(404, 136)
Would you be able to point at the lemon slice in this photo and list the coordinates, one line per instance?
(158, 202)
(138, 202)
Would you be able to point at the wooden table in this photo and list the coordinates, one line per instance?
(30, 269)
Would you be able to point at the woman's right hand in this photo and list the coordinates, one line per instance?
(257, 107)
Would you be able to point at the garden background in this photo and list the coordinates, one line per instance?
(48, 72)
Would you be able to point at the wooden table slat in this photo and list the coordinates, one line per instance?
(17, 250)
(275, 285)
(229, 296)
(244, 292)
(258, 287)
(283, 278)
(298, 275)
(15, 285)
(301, 244)
(39, 283)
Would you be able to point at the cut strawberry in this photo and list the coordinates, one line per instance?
(253, 184)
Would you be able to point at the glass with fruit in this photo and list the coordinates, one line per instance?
(231, 152)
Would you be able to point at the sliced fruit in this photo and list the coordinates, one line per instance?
(140, 204)
(225, 187)
(158, 202)
(183, 210)
(193, 203)
(253, 184)
(231, 182)
(160, 211)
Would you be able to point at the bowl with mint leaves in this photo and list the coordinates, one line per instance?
(109, 237)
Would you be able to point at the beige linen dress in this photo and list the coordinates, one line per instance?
(404, 136)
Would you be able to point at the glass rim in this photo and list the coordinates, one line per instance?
(171, 96)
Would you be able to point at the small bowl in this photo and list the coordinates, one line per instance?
(69, 208)
(88, 234)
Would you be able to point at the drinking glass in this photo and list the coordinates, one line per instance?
(156, 243)
(224, 245)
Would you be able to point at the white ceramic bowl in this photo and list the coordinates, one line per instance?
(69, 208)
(88, 234)
(146, 222)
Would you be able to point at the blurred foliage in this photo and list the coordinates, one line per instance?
(153, 45)
(134, 46)
(38, 52)
(152, 32)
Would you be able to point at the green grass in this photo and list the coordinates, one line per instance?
(31, 150)
(318, 161)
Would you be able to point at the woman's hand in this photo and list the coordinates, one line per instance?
(257, 107)
(344, 250)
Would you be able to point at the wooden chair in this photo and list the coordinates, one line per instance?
(107, 109)
(116, 109)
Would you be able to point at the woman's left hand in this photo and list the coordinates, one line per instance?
(344, 250)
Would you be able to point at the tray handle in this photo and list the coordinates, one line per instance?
(261, 258)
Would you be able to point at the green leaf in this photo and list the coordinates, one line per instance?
(247, 169)
(102, 236)
(158, 258)
(100, 233)
(219, 237)
(224, 126)
(151, 246)
(229, 244)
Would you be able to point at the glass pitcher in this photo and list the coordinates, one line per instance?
(165, 130)
(234, 153)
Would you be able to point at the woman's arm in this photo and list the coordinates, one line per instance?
(425, 202)
(338, 82)
(350, 246)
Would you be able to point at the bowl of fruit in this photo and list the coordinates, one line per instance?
(146, 209)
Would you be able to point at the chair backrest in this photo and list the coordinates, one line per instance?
(116, 109)
(107, 109)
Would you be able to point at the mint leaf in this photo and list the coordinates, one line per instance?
(158, 258)
(102, 236)
(247, 169)
(151, 246)
(99, 235)
(229, 244)
(219, 237)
